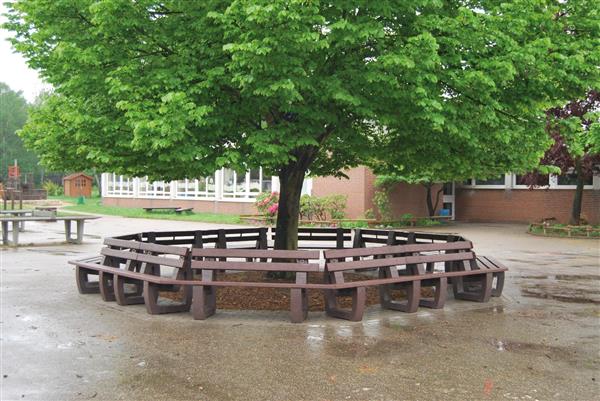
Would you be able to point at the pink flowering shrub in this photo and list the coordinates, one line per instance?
(267, 204)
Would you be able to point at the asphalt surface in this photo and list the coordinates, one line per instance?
(540, 340)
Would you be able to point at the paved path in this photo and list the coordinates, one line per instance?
(539, 341)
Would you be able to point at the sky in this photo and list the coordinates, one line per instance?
(14, 71)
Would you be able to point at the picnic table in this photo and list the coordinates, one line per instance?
(18, 213)
(16, 221)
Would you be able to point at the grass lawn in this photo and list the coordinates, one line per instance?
(94, 205)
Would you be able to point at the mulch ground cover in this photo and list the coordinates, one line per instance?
(279, 298)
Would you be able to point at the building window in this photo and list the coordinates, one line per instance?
(496, 181)
(119, 186)
(156, 189)
(542, 181)
(241, 185)
(571, 180)
(493, 183)
(201, 188)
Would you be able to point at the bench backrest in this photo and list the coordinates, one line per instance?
(136, 252)
(397, 255)
(248, 237)
(363, 237)
(335, 236)
(255, 260)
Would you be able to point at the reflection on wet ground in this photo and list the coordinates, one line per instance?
(540, 340)
(574, 288)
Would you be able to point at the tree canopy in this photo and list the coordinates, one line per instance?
(175, 88)
(13, 114)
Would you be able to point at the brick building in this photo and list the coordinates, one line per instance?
(503, 199)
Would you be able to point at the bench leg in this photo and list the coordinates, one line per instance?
(22, 226)
(84, 286)
(204, 301)
(299, 300)
(124, 298)
(439, 297)
(359, 296)
(15, 233)
(68, 231)
(5, 232)
(413, 296)
(497, 290)
(107, 290)
(79, 239)
(482, 294)
(151, 296)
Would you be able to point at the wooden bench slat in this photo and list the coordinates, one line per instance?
(396, 249)
(255, 253)
(397, 261)
(253, 266)
(142, 257)
(362, 283)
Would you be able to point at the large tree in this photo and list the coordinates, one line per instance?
(13, 114)
(176, 88)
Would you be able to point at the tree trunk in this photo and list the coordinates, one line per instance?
(291, 179)
(431, 207)
(98, 183)
(577, 200)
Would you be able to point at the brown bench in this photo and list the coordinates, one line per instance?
(176, 209)
(410, 267)
(138, 264)
(333, 237)
(208, 261)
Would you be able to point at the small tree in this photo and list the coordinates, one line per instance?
(575, 150)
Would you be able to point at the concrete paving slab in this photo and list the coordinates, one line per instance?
(539, 341)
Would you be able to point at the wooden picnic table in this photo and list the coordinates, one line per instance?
(16, 221)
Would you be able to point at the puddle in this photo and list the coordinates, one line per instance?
(550, 351)
(54, 252)
(570, 277)
(574, 296)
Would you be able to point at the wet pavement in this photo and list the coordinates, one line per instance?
(540, 340)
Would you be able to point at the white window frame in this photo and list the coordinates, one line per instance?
(556, 185)
(473, 184)
(113, 186)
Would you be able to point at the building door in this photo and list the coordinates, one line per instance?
(448, 199)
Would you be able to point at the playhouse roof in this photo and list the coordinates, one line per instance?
(76, 175)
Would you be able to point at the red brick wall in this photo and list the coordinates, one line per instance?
(356, 190)
(523, 205)
(227, 207)
(406, 198)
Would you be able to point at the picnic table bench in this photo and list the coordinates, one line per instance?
(176, 209)
(16, 221)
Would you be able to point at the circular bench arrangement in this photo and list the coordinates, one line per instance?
(391, 260)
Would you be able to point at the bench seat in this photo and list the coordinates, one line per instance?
(206, 262)
(472, 277)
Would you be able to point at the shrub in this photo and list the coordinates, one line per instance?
(381, 200)
(267, 204)
(335, 206)
(322, 208)
(52, 189)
